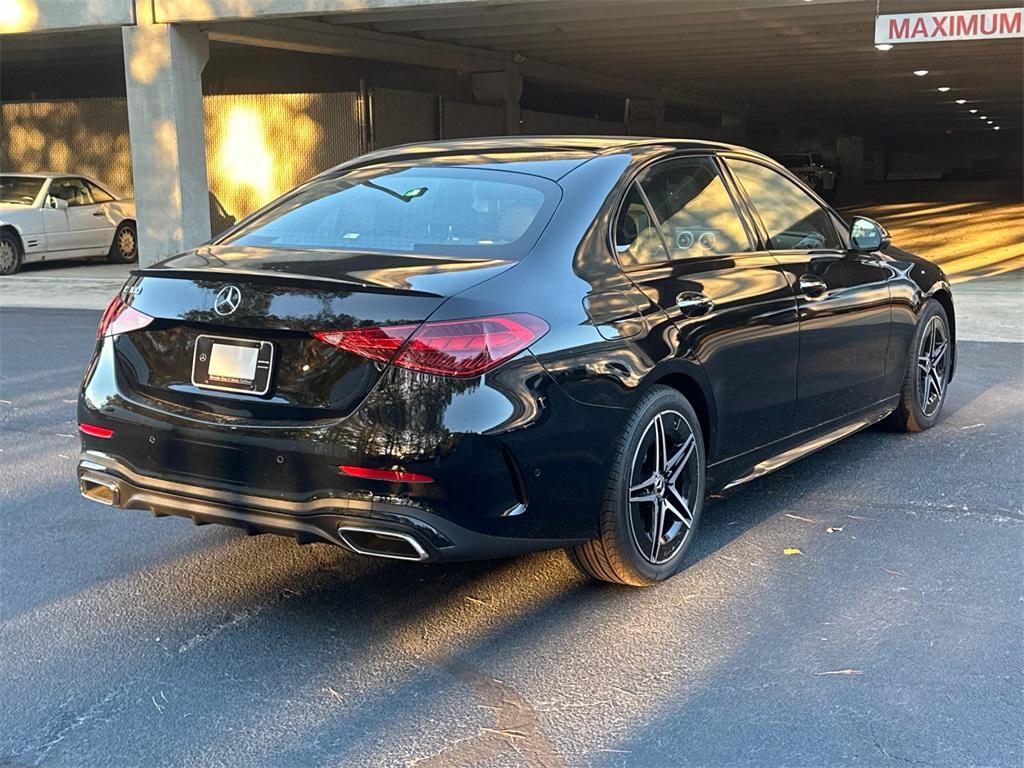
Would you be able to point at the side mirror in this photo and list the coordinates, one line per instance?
(59, 203)
(868, 235)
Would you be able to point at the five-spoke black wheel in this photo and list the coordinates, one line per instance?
(654, 496)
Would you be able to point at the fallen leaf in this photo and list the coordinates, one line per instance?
(835, 530)
(791, 551)
(841, 672)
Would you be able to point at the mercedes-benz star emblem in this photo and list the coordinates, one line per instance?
(227, 300)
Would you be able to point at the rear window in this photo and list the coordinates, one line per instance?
(21, 190)
(455, 212)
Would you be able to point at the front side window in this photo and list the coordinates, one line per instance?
(455, 212)
(74, 191)
(693, 208)
(793, 219)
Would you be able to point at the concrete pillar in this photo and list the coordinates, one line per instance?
(163, 71)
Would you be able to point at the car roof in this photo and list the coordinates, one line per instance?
(569, 150)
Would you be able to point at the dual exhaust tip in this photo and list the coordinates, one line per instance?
(375, 542)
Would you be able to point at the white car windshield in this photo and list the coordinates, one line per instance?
(19, 190)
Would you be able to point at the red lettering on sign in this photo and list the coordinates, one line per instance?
(920, 29)
(994, 25)
(940, 25)
(966, 25)
(899, 29)
(1009, 23)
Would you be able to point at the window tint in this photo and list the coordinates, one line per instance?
(456, 212)
(793, 219)
(693, 207)
(72, 190)
(636, 235)
(99, 195)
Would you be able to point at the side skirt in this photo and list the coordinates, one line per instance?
(737, 471)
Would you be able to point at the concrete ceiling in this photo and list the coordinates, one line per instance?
(811, 60)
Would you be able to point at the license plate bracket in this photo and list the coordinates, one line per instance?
(232, 365)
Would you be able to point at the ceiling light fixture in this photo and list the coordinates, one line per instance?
(961, 101)
(920, 72)
(995, 127)
(884, 47)
(983, 117)
(973, 111)
(990, 121)
(943, 88)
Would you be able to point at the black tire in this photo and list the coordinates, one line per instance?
(919, 408)
(617, 555)
(10, 253)
(125, 248)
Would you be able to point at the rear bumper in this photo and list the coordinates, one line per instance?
(370, 527)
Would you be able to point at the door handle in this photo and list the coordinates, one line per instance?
(100, 214)
(812, 286)
(694, 304)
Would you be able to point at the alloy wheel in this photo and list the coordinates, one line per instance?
(933, 366)
(8, 256)
(663, 484)
(126, 242)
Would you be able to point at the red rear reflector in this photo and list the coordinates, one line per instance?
(390, 475)
(92, 429)
(458, 348)
(120, 318)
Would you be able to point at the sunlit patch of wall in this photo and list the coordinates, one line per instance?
(88, 136)
(261, 145)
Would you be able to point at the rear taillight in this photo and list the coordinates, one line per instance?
(92, 429)
(120, 318)
(388, 475)
(458, 348)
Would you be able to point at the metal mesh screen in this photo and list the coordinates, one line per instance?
(548, 123)
(402, 117)
(87, 136)
(259, 146)
(466, 120)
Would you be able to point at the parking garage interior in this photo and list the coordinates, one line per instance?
(285, 94)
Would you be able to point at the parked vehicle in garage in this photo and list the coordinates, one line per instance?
(819, 174)
(490, 346)
(62, 216)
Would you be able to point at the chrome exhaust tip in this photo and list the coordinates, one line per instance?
(377, 542)
(103, 491)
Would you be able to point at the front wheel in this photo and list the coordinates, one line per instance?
(928, 368)
(654, 495)
(10, 254)
(125, 248)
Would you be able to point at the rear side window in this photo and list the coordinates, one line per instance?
(455, 212)
(693, 208)
(793, 219)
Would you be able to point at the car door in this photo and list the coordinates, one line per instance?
(88, 224)
(843, 296)
(683, 242)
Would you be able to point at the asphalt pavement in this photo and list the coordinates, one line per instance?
(893, 634)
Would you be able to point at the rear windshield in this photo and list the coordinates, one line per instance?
(456, 212)
(21, 190)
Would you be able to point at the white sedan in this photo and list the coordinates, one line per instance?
(62, 216)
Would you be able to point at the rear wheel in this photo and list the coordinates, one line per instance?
(654, 495)
(928, 368)
(10, 254)
(125, 248)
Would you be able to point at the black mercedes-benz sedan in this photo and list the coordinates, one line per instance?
(479, 348)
